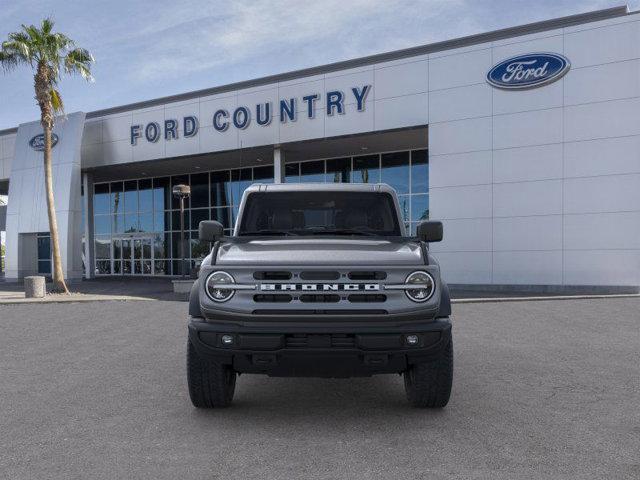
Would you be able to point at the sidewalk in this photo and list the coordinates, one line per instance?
(103, 289)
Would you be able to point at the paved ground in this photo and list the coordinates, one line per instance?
(546, 389)
(105, 288)
(101, 289)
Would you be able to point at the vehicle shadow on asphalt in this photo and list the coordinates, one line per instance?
(312, 400)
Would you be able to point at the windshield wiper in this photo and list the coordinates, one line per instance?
(268, 232)
(347, 231)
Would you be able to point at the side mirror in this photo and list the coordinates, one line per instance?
(210, 231)
(430, 231)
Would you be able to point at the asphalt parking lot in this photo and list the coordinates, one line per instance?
(547, 389)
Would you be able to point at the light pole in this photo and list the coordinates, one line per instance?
(182, 192)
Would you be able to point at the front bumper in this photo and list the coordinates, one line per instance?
(331, 350)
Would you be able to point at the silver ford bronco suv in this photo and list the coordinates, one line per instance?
(320, 280)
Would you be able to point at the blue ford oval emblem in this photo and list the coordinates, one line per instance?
(528, 71)
(37, 142)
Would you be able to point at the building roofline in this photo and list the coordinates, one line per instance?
(494, 35)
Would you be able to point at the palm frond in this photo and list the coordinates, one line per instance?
(79, 60)
(20, 44)
(8, 60)
(56, 101)
(35, 35)
(47, 25)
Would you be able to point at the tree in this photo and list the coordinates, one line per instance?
(48, 54)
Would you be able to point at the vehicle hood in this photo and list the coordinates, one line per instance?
(316, 251)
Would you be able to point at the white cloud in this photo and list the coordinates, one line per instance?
(245, 30)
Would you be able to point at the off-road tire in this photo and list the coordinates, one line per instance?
(211, 384)
(428, 385)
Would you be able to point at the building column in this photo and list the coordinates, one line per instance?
(87, 186)
(278, 165)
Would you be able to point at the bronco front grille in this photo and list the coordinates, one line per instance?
(325, 289)
(367, 275)
(272, 298)
(311, 298)
(364, 298)
(272, 275)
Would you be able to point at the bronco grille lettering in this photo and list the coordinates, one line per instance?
(323, 287)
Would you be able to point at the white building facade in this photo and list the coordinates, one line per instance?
(525, 142)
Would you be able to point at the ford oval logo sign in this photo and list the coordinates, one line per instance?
(528, 71)
(37, 142)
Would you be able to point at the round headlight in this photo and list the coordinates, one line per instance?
(214, 289)
(426, 289)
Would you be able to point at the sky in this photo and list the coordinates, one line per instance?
(144, 50)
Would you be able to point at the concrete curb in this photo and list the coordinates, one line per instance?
(541, 299)
(73, 298)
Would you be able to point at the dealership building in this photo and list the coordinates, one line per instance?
(524, 141)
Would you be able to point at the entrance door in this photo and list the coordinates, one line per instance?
(133, 255)
(142, 256)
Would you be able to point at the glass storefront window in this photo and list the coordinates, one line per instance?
(103, 267)
(161, 245)
(263, 174)
(145, 222)
(240, 180)
(220, 188)
(162, 267)
(131, 223)
(419, 208)
(103, 247)
(145, 195)
(311, 172)
(117, 223)
(117, 248)
(117, 200)
(161, 194)
(222, 215)
(131, 196)
(200, 190)
(102, 224)
(292, 173)
(366, 169)
(403, 200)
(338, 170)
(178, 266)
(197, 216)
(395, 171)
(145, 208)
(161, 221)
(419, 171)
(101, 199)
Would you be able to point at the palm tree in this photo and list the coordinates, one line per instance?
(47, 53)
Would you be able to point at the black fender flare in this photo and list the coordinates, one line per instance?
(194, 300)
(445, 301)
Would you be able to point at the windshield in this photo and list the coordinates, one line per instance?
(319, 213)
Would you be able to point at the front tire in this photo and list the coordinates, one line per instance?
(211, 384)
(428, 385)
